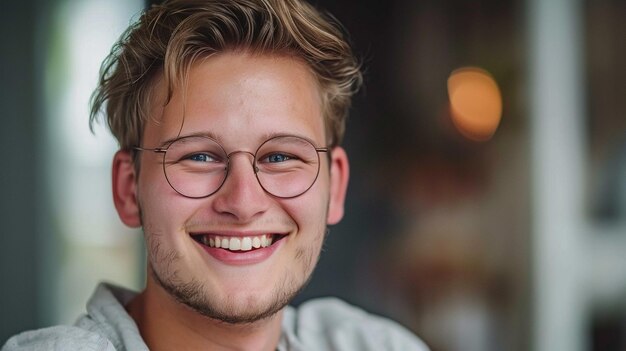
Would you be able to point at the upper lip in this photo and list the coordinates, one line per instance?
(235, 233)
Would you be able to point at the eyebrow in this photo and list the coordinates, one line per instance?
(196, 134)
(213, 136)
(271, 135)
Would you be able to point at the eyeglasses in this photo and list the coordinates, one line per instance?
(197, 166)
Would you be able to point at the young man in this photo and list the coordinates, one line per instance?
(229, 115)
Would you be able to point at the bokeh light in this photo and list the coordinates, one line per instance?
(475, 103)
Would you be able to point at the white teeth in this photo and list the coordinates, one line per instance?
(266, 240)
(235, 244)
(256, 242)
(245, 243)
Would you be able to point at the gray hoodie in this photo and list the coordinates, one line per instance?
(319, 324)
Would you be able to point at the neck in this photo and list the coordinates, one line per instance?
(166, 324)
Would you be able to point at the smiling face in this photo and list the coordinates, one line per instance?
(240, 100)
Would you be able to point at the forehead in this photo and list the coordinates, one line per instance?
(238, 97)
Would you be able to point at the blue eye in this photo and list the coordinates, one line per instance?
(201, 158)
(275, 158)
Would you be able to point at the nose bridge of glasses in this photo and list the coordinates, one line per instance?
(230, 158)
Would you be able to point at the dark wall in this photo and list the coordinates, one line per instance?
(19, 179)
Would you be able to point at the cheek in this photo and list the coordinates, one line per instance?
(160, 205)
(309, 211)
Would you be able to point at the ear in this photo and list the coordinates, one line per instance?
(339, 174)
(125, 189)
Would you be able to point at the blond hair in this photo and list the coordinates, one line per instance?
(169, 38)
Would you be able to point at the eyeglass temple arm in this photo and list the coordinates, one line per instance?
(158, 149)
(327, 150)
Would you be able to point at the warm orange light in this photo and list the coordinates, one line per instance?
(475, 103)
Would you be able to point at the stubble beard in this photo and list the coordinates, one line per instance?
(195, 295)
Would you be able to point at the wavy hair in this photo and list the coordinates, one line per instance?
(169, 38)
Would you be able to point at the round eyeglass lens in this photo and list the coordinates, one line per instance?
(195, 166)
(287, 166)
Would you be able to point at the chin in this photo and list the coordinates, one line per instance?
(241, 306)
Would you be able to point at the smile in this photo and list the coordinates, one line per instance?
(237, 243)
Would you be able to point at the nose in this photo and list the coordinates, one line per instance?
(241, 196)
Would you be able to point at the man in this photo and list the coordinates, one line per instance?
(229, 116)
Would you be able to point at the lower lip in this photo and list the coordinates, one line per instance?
(242, 258)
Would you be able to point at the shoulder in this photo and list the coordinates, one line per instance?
(58, 338)
(330, 323)
(105, 327)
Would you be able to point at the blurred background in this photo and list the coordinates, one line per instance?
(487, 204)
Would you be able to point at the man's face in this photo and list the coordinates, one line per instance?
(240, 100)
